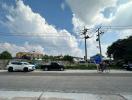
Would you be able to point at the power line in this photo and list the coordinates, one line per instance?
(117, 27)
(33, 33)
(39, 35)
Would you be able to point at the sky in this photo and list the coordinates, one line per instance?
(53, 27)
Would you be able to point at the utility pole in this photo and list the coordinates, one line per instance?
(98, 39)
(85, 38)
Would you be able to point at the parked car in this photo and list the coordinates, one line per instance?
(127, 66)
(53, 66)
(20, 66)
(82, 62)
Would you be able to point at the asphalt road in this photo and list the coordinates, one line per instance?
(106, 83)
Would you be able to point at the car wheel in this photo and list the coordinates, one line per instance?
(10, 69)
(61, 69)
(25, 69)
(46, 69)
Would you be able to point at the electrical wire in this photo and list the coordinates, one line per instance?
(117, 27)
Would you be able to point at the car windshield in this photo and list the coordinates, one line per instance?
(16, 63)
(54, 63)
(25, 63)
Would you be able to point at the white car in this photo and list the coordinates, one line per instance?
(20, 66)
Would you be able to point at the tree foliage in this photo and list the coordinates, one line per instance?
(58, 58)
(121, 49)
(68, 58)
(5, 55)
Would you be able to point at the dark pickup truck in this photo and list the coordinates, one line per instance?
(53, 66)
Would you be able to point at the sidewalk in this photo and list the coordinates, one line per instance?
(22, 95)
(82, 71)
(94, 71)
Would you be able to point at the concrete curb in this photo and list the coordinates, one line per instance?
(29, 95)
(76, 71)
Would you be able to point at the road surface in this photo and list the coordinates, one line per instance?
(80, 82)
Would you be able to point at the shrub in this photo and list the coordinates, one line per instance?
(81, 66)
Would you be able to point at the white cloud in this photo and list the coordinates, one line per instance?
(124, 33)
(22, 20)
(123, 18)
(93, 47)
(13, 48)
(123, 15)
(91, 42)
(89, 13)
(63, 6)
(88, 10)
(78, 24)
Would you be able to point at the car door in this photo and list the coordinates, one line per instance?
(25, 64)
(52, 67)
(19, 66)
(15, 65)
(56, 65)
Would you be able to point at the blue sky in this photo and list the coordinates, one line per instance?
(53, 19)
(50, 9)
(53, 13)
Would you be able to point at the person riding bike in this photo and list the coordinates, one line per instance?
(98, 60)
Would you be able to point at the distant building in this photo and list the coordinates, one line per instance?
(29, 55)
(78, 59)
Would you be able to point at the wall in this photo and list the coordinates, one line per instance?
(3, 64)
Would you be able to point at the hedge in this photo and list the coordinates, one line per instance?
(81, 66)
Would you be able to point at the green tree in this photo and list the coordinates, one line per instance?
(45, 57)
(121, 49)
(5, 55)
(68, 58)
